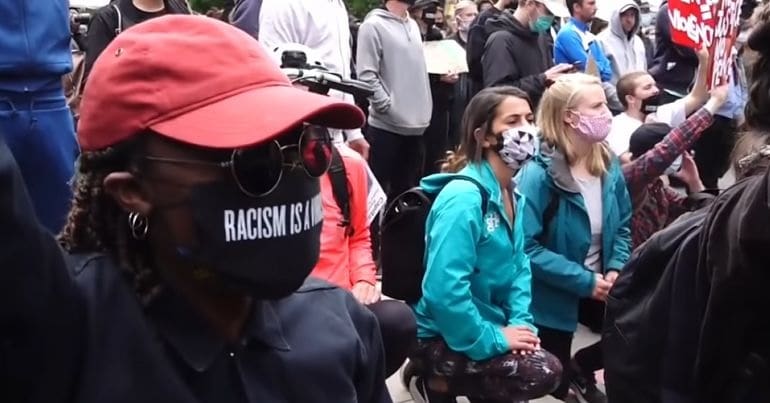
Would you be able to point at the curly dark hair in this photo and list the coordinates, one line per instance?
(97, 224)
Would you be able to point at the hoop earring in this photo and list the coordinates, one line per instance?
(139, 225)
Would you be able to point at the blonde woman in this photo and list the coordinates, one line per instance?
(576, 224)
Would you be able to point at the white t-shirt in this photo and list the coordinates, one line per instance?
(591, 189)
(623, 125)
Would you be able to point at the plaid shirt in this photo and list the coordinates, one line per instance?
(655, 204)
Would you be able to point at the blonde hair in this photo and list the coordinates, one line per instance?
(560, 97)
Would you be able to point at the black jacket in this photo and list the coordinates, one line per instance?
(477, 39)
(673, 66)
(687, 318)
(73, 330)
(514, 55)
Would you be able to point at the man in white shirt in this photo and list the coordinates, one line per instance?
(321, 25)
(640, 95)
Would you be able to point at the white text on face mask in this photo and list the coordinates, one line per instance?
(271, 222)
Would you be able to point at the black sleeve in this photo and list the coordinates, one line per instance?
(370, 381)
(474, 49)
(500, 67)
(101, 31)
(34, 272)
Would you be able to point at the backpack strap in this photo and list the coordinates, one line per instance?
(119, 29)
(548, 215)
(482, 190)
(339, 179)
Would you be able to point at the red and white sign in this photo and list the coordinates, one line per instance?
(691, 22)
(712, 24)
(721, 55)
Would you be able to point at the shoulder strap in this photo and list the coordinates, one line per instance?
(119, 29)
(482, 190)
(339, 179)
(548, 214)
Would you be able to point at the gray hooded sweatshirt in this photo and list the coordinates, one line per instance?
(625, 51)
(390, 57)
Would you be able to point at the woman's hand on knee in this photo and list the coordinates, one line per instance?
(521, 339)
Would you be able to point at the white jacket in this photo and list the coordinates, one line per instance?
(321, 25)
(625, 52)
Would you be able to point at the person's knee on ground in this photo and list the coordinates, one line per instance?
(399, 331)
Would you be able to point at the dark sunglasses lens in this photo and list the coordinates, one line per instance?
(315, 147)
(258, 169)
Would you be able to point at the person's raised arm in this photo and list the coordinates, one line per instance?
(699, 93)
(654, 162)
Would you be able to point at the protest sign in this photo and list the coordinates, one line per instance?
(445, 57)
(375, 198)
(691, 22)
(709, 24)
(727, 15)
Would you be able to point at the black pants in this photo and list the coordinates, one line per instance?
(712, 151)
(436, 139)
(398, 329)
(559, 343)
(395, 160)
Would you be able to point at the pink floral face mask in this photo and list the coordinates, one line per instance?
(595, 128)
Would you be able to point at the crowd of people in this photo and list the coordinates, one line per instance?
(186, 223)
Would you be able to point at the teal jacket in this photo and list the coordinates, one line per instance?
(560, 277)
(477, 277)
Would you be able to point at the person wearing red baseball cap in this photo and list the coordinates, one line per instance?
(181, 273)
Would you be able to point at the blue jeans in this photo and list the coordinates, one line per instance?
(40, 133)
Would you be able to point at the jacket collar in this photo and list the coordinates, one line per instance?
(195, 341)
(557, 167)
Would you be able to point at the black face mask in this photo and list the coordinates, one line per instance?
(263, 246)
(429, 16)
(651, 104)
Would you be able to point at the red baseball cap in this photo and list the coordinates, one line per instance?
(199, 81)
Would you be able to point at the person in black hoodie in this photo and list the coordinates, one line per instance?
(477, 38)
(516, 51)
(673, 66)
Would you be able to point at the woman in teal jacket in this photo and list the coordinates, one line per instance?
(576, 223)
(476, 289)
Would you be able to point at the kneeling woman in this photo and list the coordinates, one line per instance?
(476, 337)
(576, 224)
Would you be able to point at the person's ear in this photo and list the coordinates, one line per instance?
(630, 100)
(126, 190)
(571, 119)
(481, 138)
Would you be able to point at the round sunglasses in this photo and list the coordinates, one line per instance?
(258, 170)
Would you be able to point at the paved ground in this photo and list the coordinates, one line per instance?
(582, 338)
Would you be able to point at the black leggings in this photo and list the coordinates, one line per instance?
(505, 378)
(559, 343)
(398, 329)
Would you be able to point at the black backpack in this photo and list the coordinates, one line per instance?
(402, 241)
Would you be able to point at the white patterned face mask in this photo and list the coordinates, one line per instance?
(517, 146)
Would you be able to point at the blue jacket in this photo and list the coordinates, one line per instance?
(477, 278)
(560, 277)
(34, 44)
(572, 45)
